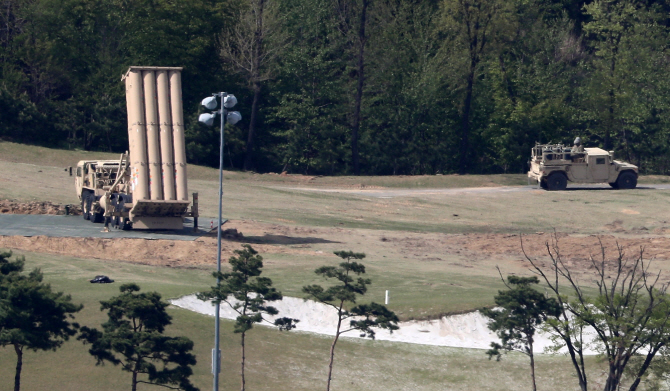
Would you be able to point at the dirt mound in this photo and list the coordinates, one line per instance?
(37, 208)
(171, 253)
(474, 251)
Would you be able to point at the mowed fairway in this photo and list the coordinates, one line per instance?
(281, 361)
(436, 253)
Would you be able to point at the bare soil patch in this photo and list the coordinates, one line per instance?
(170, 253)
(439, 251)
(38, 208)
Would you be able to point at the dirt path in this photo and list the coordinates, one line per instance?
(391, 193)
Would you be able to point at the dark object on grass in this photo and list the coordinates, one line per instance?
(101, 280)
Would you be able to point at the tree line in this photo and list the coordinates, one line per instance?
(378, 87)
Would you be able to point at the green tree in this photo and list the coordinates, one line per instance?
(630, 313)
(133, 338)
(409, 119)
(626, 100)
(531, 79)
(250, 48)
(352, 19)
(309, 117)
(473, 24)
(32, 316)
(519, 312)
(246, 292)
(611, 25)
(364, 317)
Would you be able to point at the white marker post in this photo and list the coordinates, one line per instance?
(386, 302)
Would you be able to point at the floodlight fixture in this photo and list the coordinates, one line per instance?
(210, 103)
(229, 101)
(207, 118)
(233, 117)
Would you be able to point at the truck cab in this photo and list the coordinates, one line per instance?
(95, 176)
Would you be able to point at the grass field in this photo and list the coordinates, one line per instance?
(404, 237)
(31, 173)
(276, 361)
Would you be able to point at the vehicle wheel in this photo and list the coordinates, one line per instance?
(543, 184)
(627, 180)
(614, 185)
(93, 216)
(126, 225)
(84, 206)
(97, 217)
(557, 181)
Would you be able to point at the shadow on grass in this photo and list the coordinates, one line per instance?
(280, 239)
(607, 188)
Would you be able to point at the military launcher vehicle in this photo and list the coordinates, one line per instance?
(146, 188)
(553, 165)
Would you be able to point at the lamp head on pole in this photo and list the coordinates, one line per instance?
(210, 102)
(207, 118)
(229, 101)
(233, 117)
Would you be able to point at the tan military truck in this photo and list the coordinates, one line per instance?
(146, 188)
(553, 165)
(94, 178)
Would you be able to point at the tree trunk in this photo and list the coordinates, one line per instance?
(613, 379)
(581, 374)
(332, 347)
(19, 365)
(506, 81)
(612, 100)
(644, 367)
(134, 387)
(248, 159)
(532, 364)
(256, 84)
(465, 120)
(608, 131)
(243, 360)
(355, 128)
(332, 356)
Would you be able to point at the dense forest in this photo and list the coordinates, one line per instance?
(375, 87)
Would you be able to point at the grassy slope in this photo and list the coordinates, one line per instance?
(419, 288)
(276, 361)
(32, 173)
(297, 361)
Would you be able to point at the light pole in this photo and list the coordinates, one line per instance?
(228, 101)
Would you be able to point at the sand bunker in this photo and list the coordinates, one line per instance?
(461, 331)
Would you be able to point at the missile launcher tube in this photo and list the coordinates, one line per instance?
(153, 143)
(178, 135)
(137, 136)
(165, 117)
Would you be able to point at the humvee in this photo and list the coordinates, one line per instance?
(553, 165)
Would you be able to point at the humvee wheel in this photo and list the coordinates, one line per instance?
(626, 180)
(614, 185)
(557, 181)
